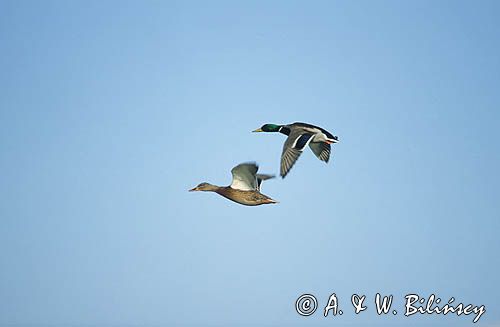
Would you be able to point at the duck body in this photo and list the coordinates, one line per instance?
(244, 188)
(320, 134)
(301, 135)
(247, 198)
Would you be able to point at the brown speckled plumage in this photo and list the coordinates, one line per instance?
(248, 198)
(245, 187)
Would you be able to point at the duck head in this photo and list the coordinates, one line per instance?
(268, 128)
(206, 187)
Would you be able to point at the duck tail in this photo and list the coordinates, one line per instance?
(271, 201)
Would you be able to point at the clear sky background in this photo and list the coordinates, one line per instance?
(111, 111)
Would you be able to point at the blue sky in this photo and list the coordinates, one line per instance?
(111, 111)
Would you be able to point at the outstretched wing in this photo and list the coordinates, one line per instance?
(262, 177)
(292, 149)
(321, 150)
(244, 176)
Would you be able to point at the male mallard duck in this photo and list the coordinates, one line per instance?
(299, 136)
(245, 187)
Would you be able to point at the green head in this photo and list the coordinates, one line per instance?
(269, 128)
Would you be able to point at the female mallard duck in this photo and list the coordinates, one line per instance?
(299, 136)
(245, 187)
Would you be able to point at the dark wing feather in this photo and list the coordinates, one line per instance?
(288, 159)
(262, 177)
(321, 150)
(292, 149)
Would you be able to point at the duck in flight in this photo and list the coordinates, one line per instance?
(301, 135)
(245, 187)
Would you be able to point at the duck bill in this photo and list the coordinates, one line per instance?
(193, 189)
(258, 130)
